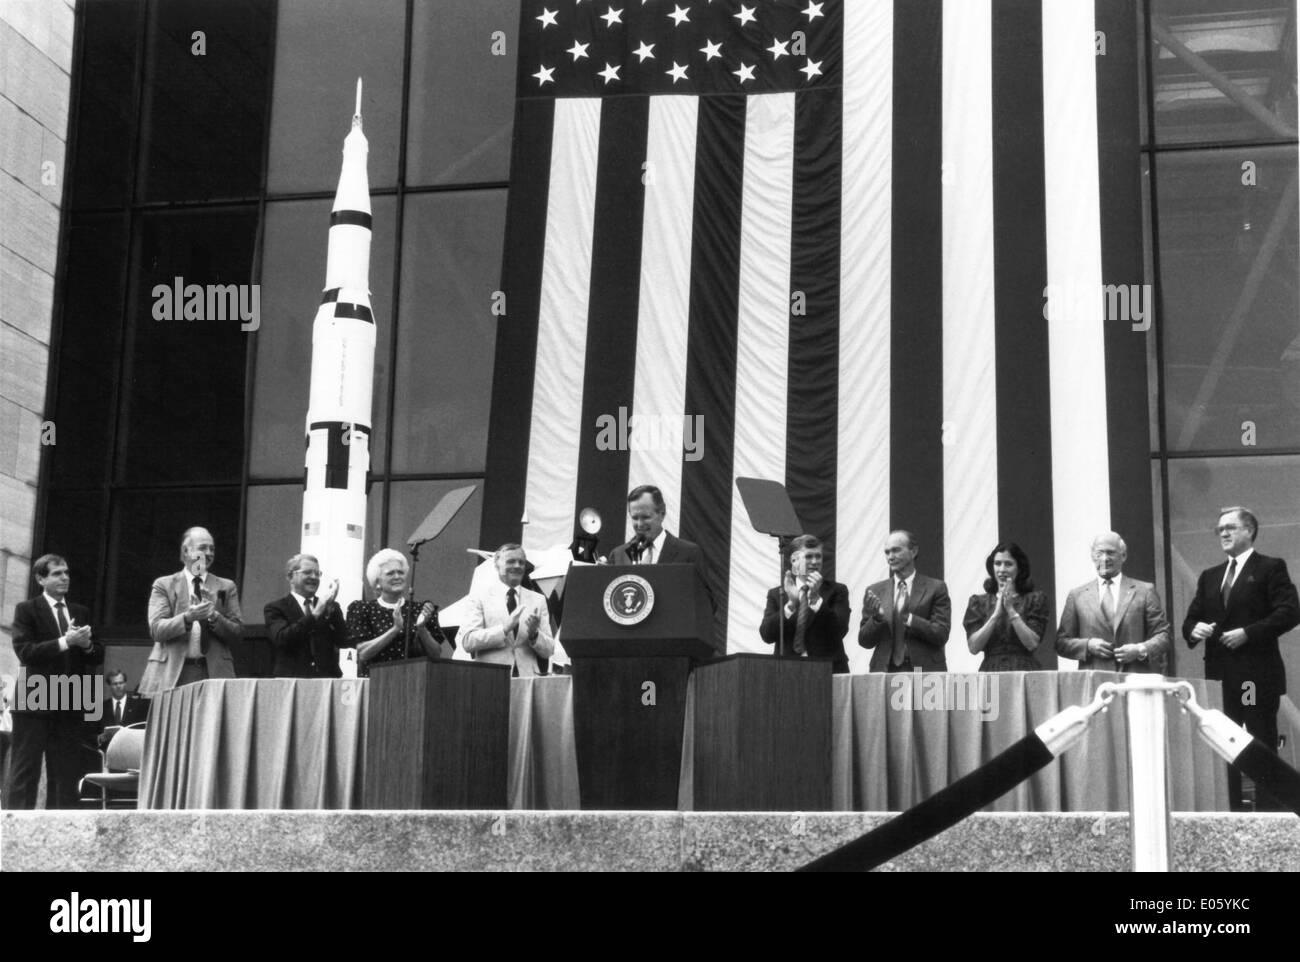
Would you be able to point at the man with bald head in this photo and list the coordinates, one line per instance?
(1114, 622)
(193, 619)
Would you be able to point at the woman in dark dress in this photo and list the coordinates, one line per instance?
(378, 628)
(1008, 620)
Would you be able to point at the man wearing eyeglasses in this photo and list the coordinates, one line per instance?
(1240, 609)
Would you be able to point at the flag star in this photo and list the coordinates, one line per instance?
(547, 18)
(745, 73)
(812, 68)
(711, 49)
(746, 15)
(645, 51)
(813, 11)
(544, 75)
(678, 72)
(610, 72)
(612, 16)
(777, 50)
(578, 49)
(679, 15)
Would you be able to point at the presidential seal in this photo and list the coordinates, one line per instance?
(629, 599)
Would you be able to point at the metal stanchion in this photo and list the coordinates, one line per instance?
(1148, 788)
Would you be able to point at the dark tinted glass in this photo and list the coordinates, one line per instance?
(1228, 256)
(74, 528)
(271, 536)
(182, 418)
(1224, 70)
(203, 114)
(463, 55)
(110, 41)
(322, 47)
(451, 266)
(89, 349)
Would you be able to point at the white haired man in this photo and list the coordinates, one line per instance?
(508, 624)
(1114, 622)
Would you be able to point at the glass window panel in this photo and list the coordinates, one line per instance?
(445, 565)
(447, 338)
(75, 528)
(204, 115)
(293, 276)
(1198, 488)
(1179, 663)
(144, 542)
(1228, 258)
(271, 537)
(182, 414)
(87, 359)
(322, 47)
(110, 38)
(1248, 47)
(462, 93)
(1148, 278)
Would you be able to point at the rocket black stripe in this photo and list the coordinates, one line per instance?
(325, 425)
(357, 312)
(916, 294)
(812, 399)
(1024, 419)
(1121, 263)
(355, 218)
(707, 486)
(614, 301)
(330, 296)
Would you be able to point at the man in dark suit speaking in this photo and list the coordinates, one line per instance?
(651, 544)
(815, 611)
(306, 629)
(905, 618)
(1240, 609)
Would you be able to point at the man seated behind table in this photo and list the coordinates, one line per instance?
(815, 611)
(306, 630)
(121, 708)
(508, 624)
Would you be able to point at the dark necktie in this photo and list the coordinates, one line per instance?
(309, 604)
(511, 603)
(63, 621)
(117, 711)
(899, 653)
(1227, 584)
(801, 622)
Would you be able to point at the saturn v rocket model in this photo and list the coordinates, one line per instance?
(342, 377)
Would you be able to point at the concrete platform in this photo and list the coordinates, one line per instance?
(609, 841)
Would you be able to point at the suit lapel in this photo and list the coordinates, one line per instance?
(669, 551)
(49, 625)
(1092, 597)
(1130, 589)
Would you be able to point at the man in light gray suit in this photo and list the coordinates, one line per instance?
(193, 618)
(508, 624)
(1114, 623)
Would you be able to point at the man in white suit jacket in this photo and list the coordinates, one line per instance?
(191, 631)
(508, 624)
(1114, 623)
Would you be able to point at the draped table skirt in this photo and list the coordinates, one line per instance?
(283, 743)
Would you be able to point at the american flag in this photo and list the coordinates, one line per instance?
(822, 232)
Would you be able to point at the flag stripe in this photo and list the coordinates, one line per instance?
(602, 464)
(916, 465)
(665, 289)
(970, 501)
(1020, 272)
(1120, 187)
(506, 469)
(711, 346)
(862, 479)
(812, 422)
(562, 319)
(762, 350)
(1080, 462)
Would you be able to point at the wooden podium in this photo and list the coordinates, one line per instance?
(763, 735)
(437, 735)
(630, 669)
